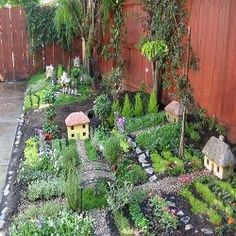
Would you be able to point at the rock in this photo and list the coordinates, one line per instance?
(195, 231)
(2, 216)
(17, 142)
(180, 213)
(152, 178)
(207, 231)
(170, 204)
(2, 223)
(147, 153)
(6, 190)
(142, 158)
(19, 133)
(146, 165)
(4, 210)
(188, 227)
(149, 170)
(138, 150)
(172, 198)
(185, 219)
(10, 172)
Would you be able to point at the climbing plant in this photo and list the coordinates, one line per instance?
(165, 21)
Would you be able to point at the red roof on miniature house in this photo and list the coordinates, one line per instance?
(76, 118)
(175, 108)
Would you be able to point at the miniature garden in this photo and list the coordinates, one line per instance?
(93, 159)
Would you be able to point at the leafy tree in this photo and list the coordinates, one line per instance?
(152, 105)
(127, 110)
(102, 107)
(138, 106)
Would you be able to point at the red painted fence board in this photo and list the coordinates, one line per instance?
(16, 60)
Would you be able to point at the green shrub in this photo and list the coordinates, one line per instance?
(129, 172)
(49, 98)
(160, 166)
(138, 218)
(138, 105)
(72, 191)
(127, 110)
(59, 71)
(122, 224)
(102, 107)
(194, 158)
(114, 108)
(90, 150)
(192, 132)
(144, 122)
(51, 128)
(200, 207)
(65, 223)
(122, 139)
(166, 220)
(31, 152)
(112, 149)
(45, 189)
(51, 113)
(227, 187)
(152, 105)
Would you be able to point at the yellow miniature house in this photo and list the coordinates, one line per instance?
(77, 126)
(174, 111)
(218, 158)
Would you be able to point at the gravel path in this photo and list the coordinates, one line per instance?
(81, 151)
(171, 184)
(100, 222)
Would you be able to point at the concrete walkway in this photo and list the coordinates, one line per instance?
(11, 100)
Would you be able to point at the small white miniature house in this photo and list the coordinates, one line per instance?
(218, 158)
(174, 111)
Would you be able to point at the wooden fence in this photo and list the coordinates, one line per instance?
(16, 60)
(213, 39)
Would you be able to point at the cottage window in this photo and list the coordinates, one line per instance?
(72, 127)
(218, 169)
(72, 135)
(84, 133)
(84, 126)
(207, 162)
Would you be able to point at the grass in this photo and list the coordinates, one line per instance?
(227, 187)
(39, 85)
(200, 207)
(90, 150)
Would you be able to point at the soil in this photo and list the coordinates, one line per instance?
(34, 119)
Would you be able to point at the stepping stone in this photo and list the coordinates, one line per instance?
(188, 227)
(142, 158)
(138, 150)
(147, 153)
(152, 178)
(180, 213)
(149, 170)
(207, 231)
(170, 204)
(6, 191)
(146, 165)
(185, 219)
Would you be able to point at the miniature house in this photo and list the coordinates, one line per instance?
(174, 111)
(218, 158)
(77, 126)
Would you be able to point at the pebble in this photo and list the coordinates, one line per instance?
(188, 227)
(138, 150)
(152, 178)
(180, 213)
(207, 231)
(2, 223)
(185, 219)
(142, 158)
(6, 191)
(4, 210)
(170, 204)
(10, 172)
(149, 170)
(147, 153)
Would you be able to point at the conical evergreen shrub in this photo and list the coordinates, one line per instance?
(138, 106)
(115, 108)
(127, 107)
(152, 105)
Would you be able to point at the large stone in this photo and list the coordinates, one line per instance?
(146, 165)
(180, 213)
(138, 150)
(188, 227)
(185, 219)
(6, 190)
(207, 231)
(149, 170)
(142, 158)
(4, 210)
(152, 178)
(170, 204)
(2, 223)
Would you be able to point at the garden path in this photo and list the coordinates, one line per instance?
(91, 171)
(11, 98)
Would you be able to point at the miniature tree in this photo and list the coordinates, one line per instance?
(127, 107)
(138, 107)
(115, 108)
(152, 105)
(102, 107)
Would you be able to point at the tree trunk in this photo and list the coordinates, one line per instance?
(181, 145)
(157, 80)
